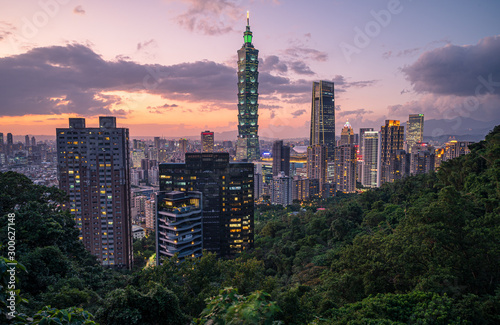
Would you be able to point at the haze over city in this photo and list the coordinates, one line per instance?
(168, 67)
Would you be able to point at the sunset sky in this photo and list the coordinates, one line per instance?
(169, 67)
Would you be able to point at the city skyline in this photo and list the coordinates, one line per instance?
(379, 62)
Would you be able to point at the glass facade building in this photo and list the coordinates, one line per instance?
(323, 116)
(248, 86)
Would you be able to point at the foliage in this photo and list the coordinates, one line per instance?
(131, 306)
(231, 308)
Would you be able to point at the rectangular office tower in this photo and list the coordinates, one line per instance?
(281, 158)
(391, 155)
(207, 141)
(371, 154)
(178, 226)
(323, 117)
(228, 198)
(414, 130)
(93, 168)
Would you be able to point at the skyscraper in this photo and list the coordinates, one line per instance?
(183, 147)
(27, 141)
(347, 134)
(281, 189)
(345, 168)
(391, 145)
(317, 164)
(422, 159)
(414, 130)
(371, 154)
(281, 158)
(247, 147)
(228, 198)
(323, 116)
(93, 169)
(207, 141)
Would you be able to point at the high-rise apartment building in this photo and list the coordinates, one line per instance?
(281, 190)
(247, 147)
(347, 134)
(93, 169)
(391, 145)
(323, 116)
(228, 198)
(207, 141)
(414, 130)
(317, 163)
(371, 159)
(183, 147)
(178, 225)
(345, 168)
(281, 158)
(422, 159)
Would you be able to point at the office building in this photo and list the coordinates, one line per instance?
(347, 134)
(391, 143)
(281, 158)
(371, 154)
(247, 147)
(207, 141)
(345, 168)
(228, 198)
(414, 130)
(178, 225)
(93, 169)
(305, 189)
(323, 117)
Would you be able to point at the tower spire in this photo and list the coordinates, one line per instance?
(248, 18)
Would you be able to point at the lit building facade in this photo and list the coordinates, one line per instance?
(228, 198)
(247, 147)
(281, 190)
(345, 168)
(347, 134)
(414, 130)
(178, 225)
(371, 154)
(281, 158)
(391, 145)
(207, 141)
(93, 169)
(317, 164)
(323, 116)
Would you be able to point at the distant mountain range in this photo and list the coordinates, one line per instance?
(461, 128)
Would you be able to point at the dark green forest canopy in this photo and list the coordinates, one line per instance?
(423, 250)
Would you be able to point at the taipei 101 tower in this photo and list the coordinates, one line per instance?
(248, 85)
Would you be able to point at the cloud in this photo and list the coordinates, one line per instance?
(298, 113)
(458, 70)
(300, 67)
(146, 43)
(403, 53)
(6, 29)
(272, 63)
(79, 10)
(73, 79)
(306, 53)
(161, 109)
(210, 17)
